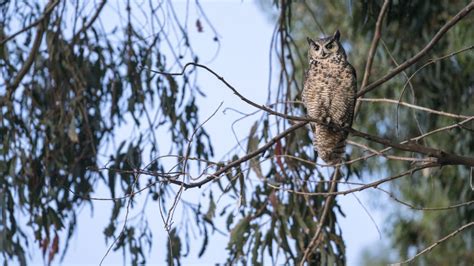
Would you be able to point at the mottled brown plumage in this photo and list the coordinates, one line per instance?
(329, 95)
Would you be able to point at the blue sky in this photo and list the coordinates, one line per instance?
(245, 33)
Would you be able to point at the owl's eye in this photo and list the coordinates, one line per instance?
(329, 46)
(316, 47)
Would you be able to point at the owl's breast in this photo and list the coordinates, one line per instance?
(329, 87)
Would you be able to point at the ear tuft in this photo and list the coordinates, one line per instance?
(336, 35)
(310, 42)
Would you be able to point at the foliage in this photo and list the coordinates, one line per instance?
(80, 86)
(67, 87)
(444, 85)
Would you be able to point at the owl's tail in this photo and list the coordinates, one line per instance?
(329, 144)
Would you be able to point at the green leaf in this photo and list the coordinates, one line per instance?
(238, 235)
(212, 209)
(252, 145)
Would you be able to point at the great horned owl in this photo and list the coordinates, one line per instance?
(329, 94)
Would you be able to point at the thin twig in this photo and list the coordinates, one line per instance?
(392, 157)
(91, 21)
(415, 139)
(127, 212)
(453, 21)
(391, 195)
(413, 106)
(432, 61)
(364, 187)
(242, 159)
(401, 94)
(188, 148)
(316, 240)
(428, 249)
(373, 45)
(34, 49)
(368, 213)
(411, 206)
(49, 8)
(372, 49)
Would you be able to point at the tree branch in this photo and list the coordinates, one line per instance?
(240, 160)
(34, 49)
(428, 249)
(413, 106)
(316, 240)
(48, 9)
(374, 184)
(91, 21)
(453, 21)
(443, 157)
(373, 45)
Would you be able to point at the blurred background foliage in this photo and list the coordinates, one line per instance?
(85, 81)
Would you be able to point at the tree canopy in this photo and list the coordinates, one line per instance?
(69, 81)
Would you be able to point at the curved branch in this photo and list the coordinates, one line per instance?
(316, 240)
(49, 8)
(34, 49)
(443, 157)
(373, 46)
(91, 21)
(453, 21)
(413, 106)
(428, 249)
(240, 160)
(374, 184)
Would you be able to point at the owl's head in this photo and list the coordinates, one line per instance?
(326, 48)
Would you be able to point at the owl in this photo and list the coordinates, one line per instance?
(329, 95)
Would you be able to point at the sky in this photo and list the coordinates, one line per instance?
(245, 33)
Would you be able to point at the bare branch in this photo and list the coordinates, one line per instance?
(417, 107)
(373, 45)
(188, 148)
(240, 160)
(316, 240)
(392, 157)
(91, 21)
(34, 49)
(432, 61)
(374, 184)
(428, 249)
(460, 124)
(49, 8)
(443, 157)
(453, 21)
(411, 206)
(127, 212)
(233, 89)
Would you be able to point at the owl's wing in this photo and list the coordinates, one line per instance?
(354, 76)
(305, 80)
